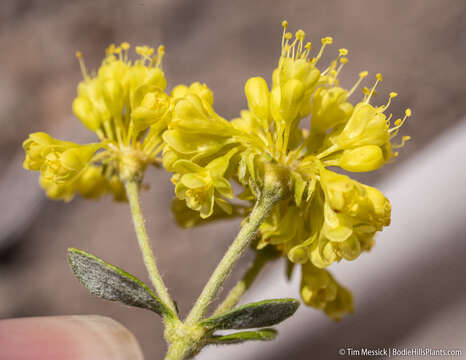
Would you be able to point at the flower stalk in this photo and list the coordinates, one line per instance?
(243, 285)
(132, 190)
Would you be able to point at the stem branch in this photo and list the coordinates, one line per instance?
(234, 252)
(132, 190)
(235, 294)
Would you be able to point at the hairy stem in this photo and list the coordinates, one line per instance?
(236, 249)
(235, 294)
(132, 190)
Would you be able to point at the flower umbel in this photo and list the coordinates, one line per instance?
(338, 217)
(285, 153)
(124, 103)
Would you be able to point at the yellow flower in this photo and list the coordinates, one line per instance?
(91, 183)
(326, 217)
(58, 161)
(330, 108)
(320, 290)
(202, 187)
(124, 103)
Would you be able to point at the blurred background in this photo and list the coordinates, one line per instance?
(409, 291)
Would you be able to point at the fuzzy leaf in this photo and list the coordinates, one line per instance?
(112, 283)
(253, 315)
(240, 337)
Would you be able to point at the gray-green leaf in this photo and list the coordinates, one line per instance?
(239, 337)
(254, 315)
(112, 283)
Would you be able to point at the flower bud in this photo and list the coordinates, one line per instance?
(91, 183)
(366, 126)
(330, 108)
(38, 145)
(63, 166)
(179, 91)
(204, 93)
(114, 97)
(257, 94)
(342, 305)
(57, 191)
(380, 203)
(86, 113)
(153, 107)
(291, 96)
(362, 159)
(298, 255)
(317, 286)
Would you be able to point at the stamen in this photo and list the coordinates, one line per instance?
(307, 50)
(399, 123)
(300, 35)
(330, 68)
(160, 55)
(110, 50)
(328, 40)
(387, 121)
(125, 47)
(82, 65)
(343, 52)
(379, 78)
(144, 51)
(390, 97)
(343, 61)
(362, 75)
(285, 26)
(287, 47)
(404, 139)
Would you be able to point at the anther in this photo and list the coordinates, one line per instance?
(300, 34)
(362, 75)
(325, 41)
(328, 40)
(379, 78)
(343, 52)
(82, 65)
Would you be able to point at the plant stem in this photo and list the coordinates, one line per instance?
(235, 294)
(177, 351)
(132, 190)
(234, 252)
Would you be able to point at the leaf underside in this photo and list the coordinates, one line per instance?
(253, 315)
(112, 283)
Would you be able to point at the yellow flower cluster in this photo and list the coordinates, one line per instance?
(325, 217)
(126, 106)
(328, 216)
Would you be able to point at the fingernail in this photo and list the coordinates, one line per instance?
(80, 337)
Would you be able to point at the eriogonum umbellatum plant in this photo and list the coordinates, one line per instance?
(284, 152)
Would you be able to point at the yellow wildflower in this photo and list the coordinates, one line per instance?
(320, 290)
(126, 106)
(339, 215)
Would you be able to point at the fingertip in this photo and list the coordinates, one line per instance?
(81, 337)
